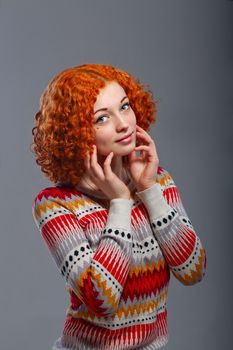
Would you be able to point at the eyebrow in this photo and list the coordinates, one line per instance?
(105, 109)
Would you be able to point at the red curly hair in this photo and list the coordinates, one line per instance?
(63, 132)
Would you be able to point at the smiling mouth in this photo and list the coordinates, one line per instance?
(125, 137)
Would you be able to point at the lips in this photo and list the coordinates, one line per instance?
(125, 137)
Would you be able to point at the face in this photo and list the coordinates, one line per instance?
(114, 119)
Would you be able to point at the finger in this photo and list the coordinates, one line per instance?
(93, 156)
(107, 165)
(94, 165)
(142, 147)
(146, 151)
(138, 127)
(143, 136)
(132, 156)
(87, 161)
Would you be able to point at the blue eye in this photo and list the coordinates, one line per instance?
(99, 119)
(126, 104)
(105, 116)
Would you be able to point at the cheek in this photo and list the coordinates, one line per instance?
(133, 118)
(103, 137)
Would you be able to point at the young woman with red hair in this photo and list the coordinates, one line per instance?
(113, 220)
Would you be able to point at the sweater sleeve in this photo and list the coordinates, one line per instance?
(97, 277)
(174, 231)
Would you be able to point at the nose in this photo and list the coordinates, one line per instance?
(121, 123)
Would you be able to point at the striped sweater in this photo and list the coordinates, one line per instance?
(117, 261)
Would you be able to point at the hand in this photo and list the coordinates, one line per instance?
(104, 178)
(143, 169)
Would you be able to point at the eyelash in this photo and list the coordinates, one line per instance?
(102, 116)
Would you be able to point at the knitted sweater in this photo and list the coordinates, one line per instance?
(117, 261)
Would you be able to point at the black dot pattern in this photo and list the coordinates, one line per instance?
(114, 284)
(185, 220)
(88, 210)
(146, 246)
(190, 261)
(52, 215)
(151, 318)
(96, 207)
(73, 258)
(120, 233)
(164, 221)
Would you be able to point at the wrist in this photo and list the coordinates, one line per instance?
(141, 188)
(126, 195)
(154, 200)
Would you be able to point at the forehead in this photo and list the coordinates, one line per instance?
(111, 93)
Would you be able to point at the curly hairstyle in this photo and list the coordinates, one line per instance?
(63, 132)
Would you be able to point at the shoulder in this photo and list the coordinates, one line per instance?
(56, 192)
(164, 177)
(55, 196)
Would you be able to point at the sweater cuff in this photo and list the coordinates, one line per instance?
(154, 201)
(120, 213)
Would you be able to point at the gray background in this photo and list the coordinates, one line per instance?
(183, 50)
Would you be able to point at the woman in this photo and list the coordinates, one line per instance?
(114, 220)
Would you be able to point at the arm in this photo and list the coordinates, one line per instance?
(97, 277)
(173, 230)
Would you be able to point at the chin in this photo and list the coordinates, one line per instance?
(125, 151)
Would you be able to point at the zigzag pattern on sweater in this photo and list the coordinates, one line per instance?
(117, 268)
